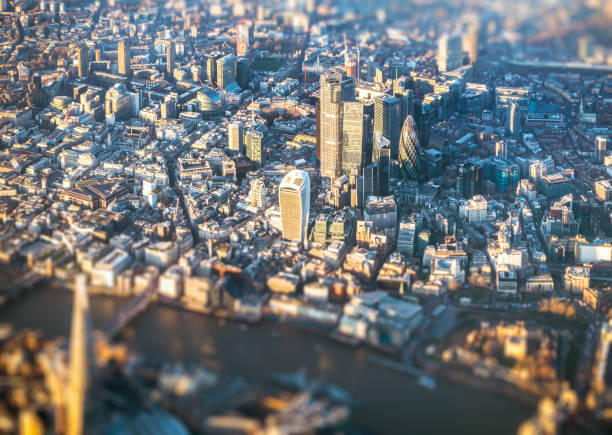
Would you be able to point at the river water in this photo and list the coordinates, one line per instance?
(390, 402)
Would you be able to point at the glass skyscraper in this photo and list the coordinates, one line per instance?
(410, 150)
(387, 122)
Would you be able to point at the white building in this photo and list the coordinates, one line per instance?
(161, 254)
(108, 267)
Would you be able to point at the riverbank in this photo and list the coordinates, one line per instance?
(391, 402)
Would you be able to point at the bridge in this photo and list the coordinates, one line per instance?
(129, 311)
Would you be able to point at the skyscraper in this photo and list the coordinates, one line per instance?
(253, 143)
(243, 39)
(335, 88)
(83, 61)
(470, 42)
(601, 148)
(501, 149)
(211, 69)
(234, 136)
(350, 65)
(513, 120)
(294, 200)
(81, 356)
(383, 162)
(449, 52)
(124, 57)
(466, 180)
(170, 58)
(353, 135)
(410, 150)
(226, 71)
(387, 114)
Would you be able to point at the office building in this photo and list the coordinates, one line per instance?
(335, 88)
(601, 148)
(513, 120)
(501, 149)
(387, 114)
(234, 136)
(82, 60)
(450, 55)
(226, 71)
(474, 210)
(253, 142)
(350, 65)
(383, 163)
(410, 150)
(243, 72)
(603, 190)
(170, 58)
(470, 43)
(354, 128)
(243, 39)
(406, 236)
(294, 201)
(467, 179)
(124, 57)
(211, 69)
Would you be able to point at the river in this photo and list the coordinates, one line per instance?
(390, 402)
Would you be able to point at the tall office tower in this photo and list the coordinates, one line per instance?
(383, 163)
(335, 88)
(470, 42)
(449, 52)
(601, 148)
(81, 359)
(387, 114)
(253, 142)
(408, 228)
(318, 129)
(243, 39)
(369, 185)
(294, 200)
(501, 149)
(466, 178)
(242, 72)
(83, 62)
(410, 151)
(234, 136)
(170, 58)
(353, 136)
(406, 97)
(211, 70)
(513, 120)
(350, 65)
(124, 58)
(226, 71)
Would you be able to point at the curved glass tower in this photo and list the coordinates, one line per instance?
(294, 200)
(410, 150)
